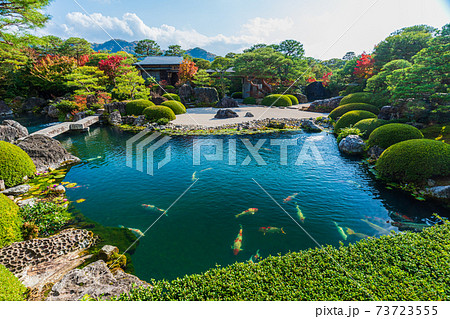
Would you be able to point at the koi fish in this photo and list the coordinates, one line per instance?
(266, 149)
(341, 231)
(349, 181)
(407, 225)
(271, 230)
(352, 232)
(289, 198)
(93, 159)
(404, 217)
(135, 231)
(254, 258)
(155, 208)
(378, 228)
(206, 169)
(237, 243)
(300, 214)
(194, 177)
(250, 211)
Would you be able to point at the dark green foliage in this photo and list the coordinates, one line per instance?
(11, 289)
(276, 100)
(368, 125)
(163, 121)
(10, 222)
(250, 100)
(438, 132)
(154, 113)
(48, 217)
(175, 106)
(15, 164)
(391, 134)
(137, 107)
(237, 95)
(343, 133)
(350, 89)
(360, 97)
(415, 161)
(293, 99)
(66, 106)
(394, 267)
(341, 110)
(351, 118)
(172, 96)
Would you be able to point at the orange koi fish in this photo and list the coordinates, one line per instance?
(237, 243)
(254, 258)
(250, 211)
(289, 198)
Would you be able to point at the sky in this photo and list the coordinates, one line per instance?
(326, 28)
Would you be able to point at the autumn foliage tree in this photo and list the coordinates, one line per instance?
(187, 71)
(111, 67)
(364, 66)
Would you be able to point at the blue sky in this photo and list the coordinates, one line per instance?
(327, 28)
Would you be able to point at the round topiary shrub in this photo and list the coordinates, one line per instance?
(351, 118)
(341, 110)
(137, 107)
(15, 164)
(415, 160)
(293, 99)
(175, 106)
(11, 289)
(154, 113)
(368, 125)
(391, 134)
(360, 97)
(237, 95)
(10, 222)
(249, 100)
(276, 100)
(172, 96)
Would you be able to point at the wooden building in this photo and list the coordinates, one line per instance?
(161, 68)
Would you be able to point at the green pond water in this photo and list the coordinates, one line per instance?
(199, 229)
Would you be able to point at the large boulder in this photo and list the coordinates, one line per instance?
(79, 116)
(326, 105)
(53, 111)
(115, 118)
(310, 126)
(33, 103)
(301, 98)
(352, 145)
(95, 280)
(119, 106)
(206, 96)
(157, 99)
(316, 91)
(11, 131)
(225, 114)
(185, 92)
(5, 109)
(439, 192)
(228, 102)
(388, 113)
(46, 152)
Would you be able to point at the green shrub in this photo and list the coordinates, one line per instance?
(163, 121)
(395, 267)
(341, 110)
(415, 160)
(360, 97)
(90, 112)
(346, 132)
(10, 222)
(137, 107)
(65, 106)
(250, 100)
(169, 88)
(237, 95)
(351, 118)
(293, 99)
(11, 289)
(390, 134)
(15, 164)
(277, 100)
(175, 106)
(172, 96)
(438, 132)
(154, 113)
(368, 125)
(48, 217)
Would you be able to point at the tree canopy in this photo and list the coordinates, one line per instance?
(147, 48)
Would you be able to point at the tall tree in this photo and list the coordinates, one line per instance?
(174, 50)
(147, 48)
(49, 44)
(349, 56)
(76, 48)
(291, 49)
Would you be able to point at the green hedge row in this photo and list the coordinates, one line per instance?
(175, 106)
(172, 97)
(276, 100)
(155, 113)
(15, 164)
(351, 118)
(341, 110)
(293, 99)
(393, 133)
(137, 107)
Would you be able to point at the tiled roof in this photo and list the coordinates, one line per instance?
(161, 60)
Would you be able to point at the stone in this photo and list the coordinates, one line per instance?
(157, 99)
(17, 190)
(185, 92)
(60, 189)
(352, 145)
(26, 202)
(310, 126)
(53, 111)
(2, 185)
(115, 118)
(107, 251)
(249, 114)
(33, 103)
(388, 112)
(119, 106)
(316, 91)
(206, 96)
(326, 105)
(128, 119)
(5, 110)
(46, 152)
(439, 192)
(225, 114)
(431, 182)
(301, 98)
(140, 120)
(375, 152)
(95, 280)
(79, 116)
(10, 131)
(227, 102)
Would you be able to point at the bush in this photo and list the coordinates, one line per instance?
(276, 100)
(163, 121)
(169, 88)
(351, 118)
(249, 100)
(394, 267)
(346, 132)
(293, 99)
(15, 164)
(10, 222)
(11, 289)
(65, 106)
(154, 113)
(341, 110)
(391, 134)
(172, 96)
(360, 97)
(368, 125)
(175, 106)
(237, 95)
(137, 107)
(48, 217)
(415, 160)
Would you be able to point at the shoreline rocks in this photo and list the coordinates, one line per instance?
(11, 131)
(352, 145)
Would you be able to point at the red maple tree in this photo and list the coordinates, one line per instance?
(364, 66)
(187, 71)
(111, 66)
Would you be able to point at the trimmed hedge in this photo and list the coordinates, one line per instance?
(15, 164)
(157, 112)
(293, 99)
(415, 160)
(360, 97)
(395, 267)
(351, 118)
(341, 110)
(249, 100)
(11, 289)
(10, 222)
(137, 107)
(237, 95)
(393, 133)
(175, 106)
(172, 96)
(368, 125)
(276, 100)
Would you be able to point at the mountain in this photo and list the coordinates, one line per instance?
(200, 53)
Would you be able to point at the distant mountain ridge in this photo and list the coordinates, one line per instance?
(117, 45)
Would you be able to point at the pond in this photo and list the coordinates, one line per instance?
(32, 122)
(200, 227)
